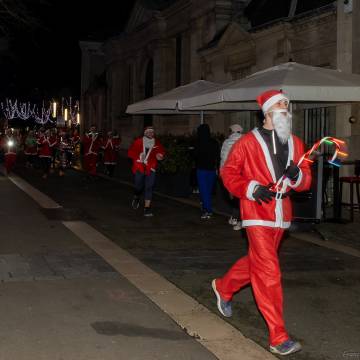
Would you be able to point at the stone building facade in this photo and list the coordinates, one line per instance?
(168, 43)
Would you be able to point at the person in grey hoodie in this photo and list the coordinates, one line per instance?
(235, 134)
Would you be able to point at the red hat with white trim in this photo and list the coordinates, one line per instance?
(148, 129)
(269, 98)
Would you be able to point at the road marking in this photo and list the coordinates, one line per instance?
(43, 200)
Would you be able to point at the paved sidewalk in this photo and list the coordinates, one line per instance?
(62, 301)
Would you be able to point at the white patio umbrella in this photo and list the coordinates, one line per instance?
(302, 83)
(167, 103)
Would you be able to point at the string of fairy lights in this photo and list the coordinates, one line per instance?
(66, 111)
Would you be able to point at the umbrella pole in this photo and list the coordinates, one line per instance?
(201, 117)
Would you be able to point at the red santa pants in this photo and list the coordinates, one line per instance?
(260, 268)
(90, 161)
(9, 162)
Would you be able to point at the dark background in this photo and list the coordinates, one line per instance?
(43, 59)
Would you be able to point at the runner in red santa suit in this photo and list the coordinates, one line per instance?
(111, 148)
(9, 144)
(46, 143)
(30, 149)
(91, 144)
(145, 153)
(257, 160)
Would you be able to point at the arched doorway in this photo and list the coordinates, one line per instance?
(149, 89)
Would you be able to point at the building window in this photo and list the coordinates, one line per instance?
(178, 60)
(316, 125)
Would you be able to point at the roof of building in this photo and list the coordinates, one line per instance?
(157, 4)
(261, 12)
(267, 12)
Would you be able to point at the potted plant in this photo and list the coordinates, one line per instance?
(175, 170)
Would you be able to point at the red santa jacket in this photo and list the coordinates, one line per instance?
(30, 146)
(46, 145)
(150, 161)
(75, 139)
(91, 145)
(111, 148)
(249, 164)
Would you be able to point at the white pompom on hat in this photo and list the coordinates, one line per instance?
(269, 98)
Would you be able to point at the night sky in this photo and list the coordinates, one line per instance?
(44, 60)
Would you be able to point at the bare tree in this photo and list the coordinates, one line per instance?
(15, 14)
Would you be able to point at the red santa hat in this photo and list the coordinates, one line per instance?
(148, 129)
(269, 98)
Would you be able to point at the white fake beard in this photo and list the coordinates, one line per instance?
(148, 143)
(282, 123)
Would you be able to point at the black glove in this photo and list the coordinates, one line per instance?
(292, 171)
(263, 194)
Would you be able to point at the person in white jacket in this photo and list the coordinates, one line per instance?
(235, 134)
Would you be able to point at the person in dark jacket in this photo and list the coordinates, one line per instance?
(207, 158)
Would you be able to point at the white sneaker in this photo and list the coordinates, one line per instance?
(237, 226)
(233, 221)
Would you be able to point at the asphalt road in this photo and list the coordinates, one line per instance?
(321, 286)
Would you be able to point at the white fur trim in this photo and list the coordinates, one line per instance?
(284, 225)
(291, 150)
(251, 188)
(273, 100)
(298, 180)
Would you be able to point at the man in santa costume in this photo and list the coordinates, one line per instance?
(91, 145)
(111, 148)
(30, 148)
(256, 162)
(145, 152)
(46, 143)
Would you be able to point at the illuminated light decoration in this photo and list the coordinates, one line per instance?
(10, 143)
(74, 110)
(343, 154)
(339, 148)
(308, 160)
(335, 162)
(13, 109)
(25, 111)
(338, 141)
(281, 186)
(54, 105)
(66, 114)
(44, 116)
(9, 109)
